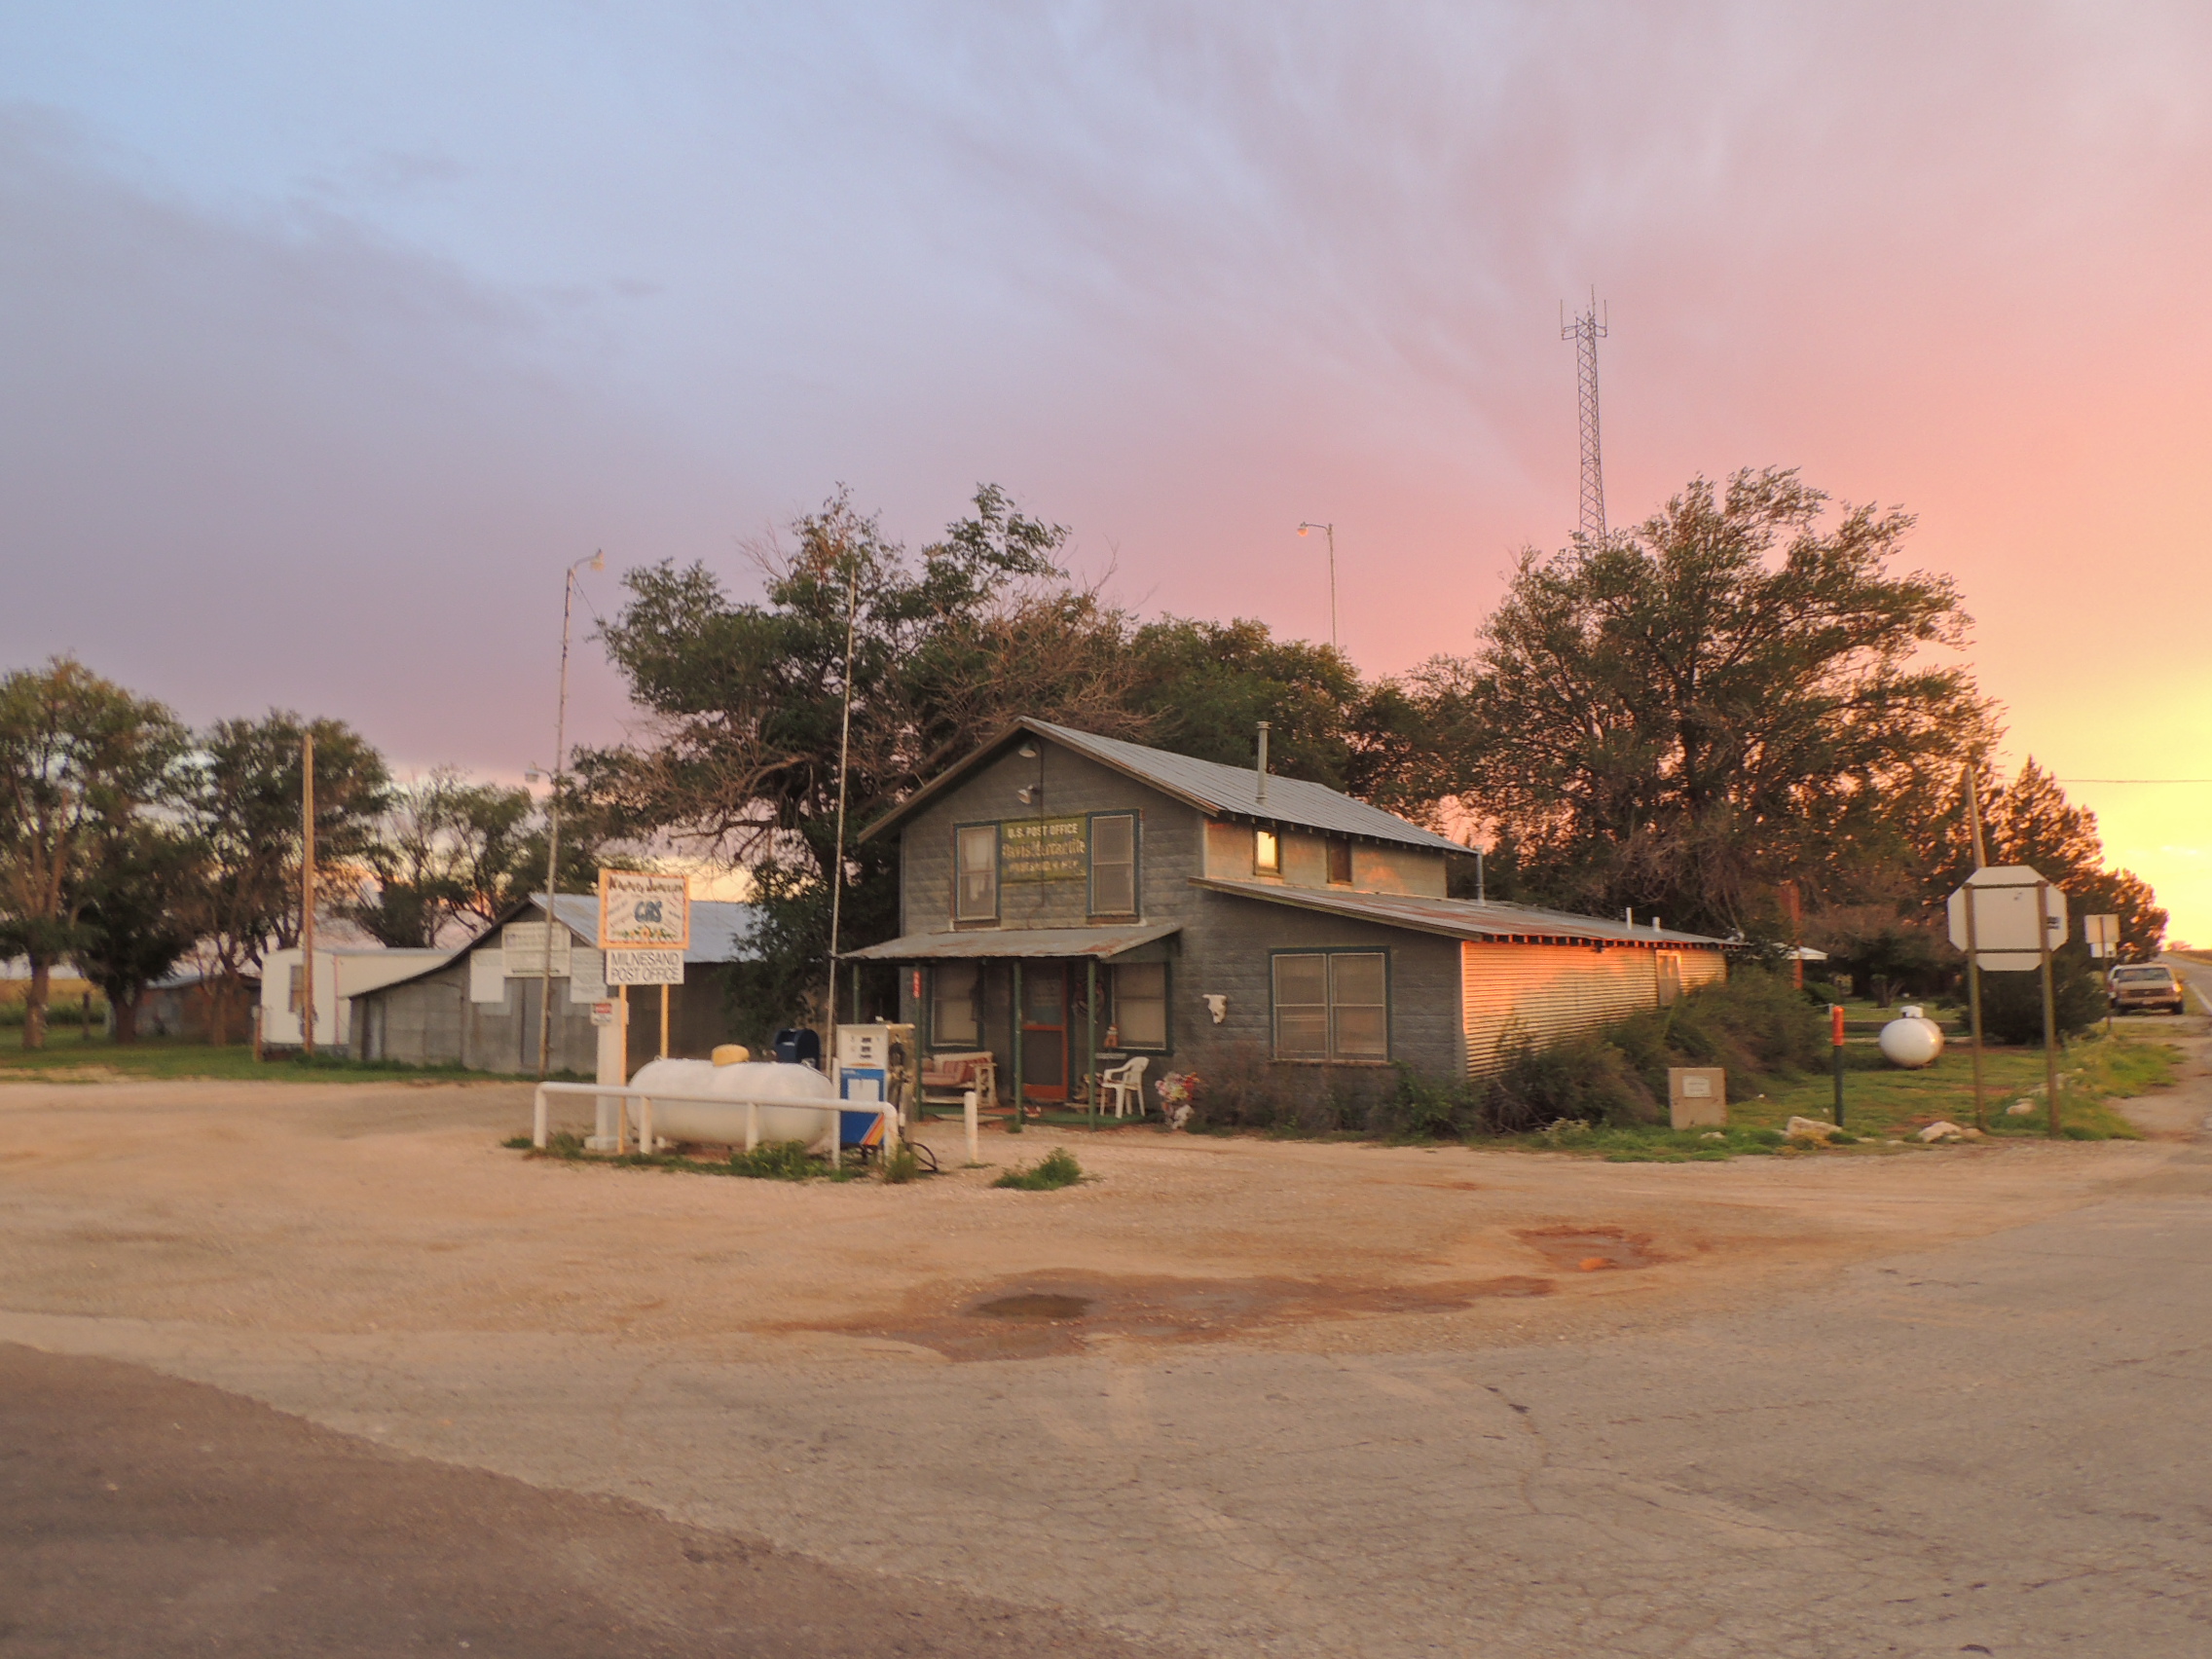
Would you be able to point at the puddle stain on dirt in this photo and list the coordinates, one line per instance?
(1044, 1315)
(1590, 1249)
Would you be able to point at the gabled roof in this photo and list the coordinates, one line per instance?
(1461, 918)
(1222, 792)
(720, 930)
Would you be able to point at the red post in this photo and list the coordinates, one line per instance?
(1835, 1037)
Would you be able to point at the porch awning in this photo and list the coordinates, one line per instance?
(995, 943)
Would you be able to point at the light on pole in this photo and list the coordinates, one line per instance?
(1330, 530)
(598, 562)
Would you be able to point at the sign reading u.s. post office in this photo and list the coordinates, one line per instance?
(641, 911)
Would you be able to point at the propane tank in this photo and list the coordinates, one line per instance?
(1911, 1040)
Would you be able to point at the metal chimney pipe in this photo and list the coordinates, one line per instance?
(1262, 761)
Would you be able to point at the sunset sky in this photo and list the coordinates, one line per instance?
(331, 333)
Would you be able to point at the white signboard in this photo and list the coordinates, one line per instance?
(603, 1013)
(644, 967)
(487, 977)
(641, 911)
(524, 945)
(2005, 917)
(588, 981)
(2102, 934)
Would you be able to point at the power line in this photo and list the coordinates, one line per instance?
(2131, 780)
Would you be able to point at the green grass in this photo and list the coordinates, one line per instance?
(66, 1058)
(1056, 1169)
(778, 1160)
(1882, 1101)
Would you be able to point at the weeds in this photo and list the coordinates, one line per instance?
(1056, 1169)
(900, 1167)
(778, 1160)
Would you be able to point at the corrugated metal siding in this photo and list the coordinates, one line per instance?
(1538, 994)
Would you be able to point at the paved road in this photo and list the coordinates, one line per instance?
(1995, 1447)
(144, 1517)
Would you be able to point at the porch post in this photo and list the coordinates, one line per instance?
(1091, 1036)
(1013, 1126)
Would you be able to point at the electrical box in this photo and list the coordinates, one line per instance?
(1697, 1098)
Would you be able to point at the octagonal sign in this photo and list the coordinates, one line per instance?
(2004, 916)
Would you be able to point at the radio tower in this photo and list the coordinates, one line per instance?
(1586, 330)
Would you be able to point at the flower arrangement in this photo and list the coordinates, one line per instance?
(1178, 1096)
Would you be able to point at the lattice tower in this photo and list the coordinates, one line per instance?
(1586, 329)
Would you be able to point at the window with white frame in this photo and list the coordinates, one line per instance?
(1114, 863)
(976, 873)
(1332, 1005)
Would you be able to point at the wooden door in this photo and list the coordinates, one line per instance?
(1045, 1031)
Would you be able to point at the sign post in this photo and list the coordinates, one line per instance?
(2009, 919)
(2102, 934)
(1835, 1042)
(645, 927)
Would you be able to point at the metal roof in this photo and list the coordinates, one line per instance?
(720, 930)
(1461, 918)
(1228, 792)
(998, 943)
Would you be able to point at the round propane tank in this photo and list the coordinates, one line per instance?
(1911, 1040)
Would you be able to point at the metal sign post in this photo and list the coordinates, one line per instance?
(2102, 934)
(1973, 1009)
(2044, 891)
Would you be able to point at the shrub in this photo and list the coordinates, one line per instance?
(1056, 1169)
(1423, 1109)
(2011, 1003)
(1585, 1079)
(900, 1167)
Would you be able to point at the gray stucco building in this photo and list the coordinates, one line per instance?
(1068, 901)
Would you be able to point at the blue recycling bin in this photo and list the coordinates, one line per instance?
(799, 1045)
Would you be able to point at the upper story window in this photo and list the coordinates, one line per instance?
(1339, 863)
(1114, 863)
(976, 873)
(1267, 853)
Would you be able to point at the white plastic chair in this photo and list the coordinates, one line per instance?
(1124, 1087)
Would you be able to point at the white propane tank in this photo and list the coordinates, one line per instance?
(761, 1081)
(1911, 1040)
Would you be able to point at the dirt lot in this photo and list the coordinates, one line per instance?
(1233, 1398)
(362, 1208)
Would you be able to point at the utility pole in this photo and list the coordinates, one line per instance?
(838, 859)
(1330, 530)
(598, 562)
(307, 894)
(1586, 329)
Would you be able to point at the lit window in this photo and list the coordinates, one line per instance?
(1339, 863)
(1114, 865)
(1332, 1006)
(953, 1022)
(1141, 1005)
(977, 895)
(1267, 853)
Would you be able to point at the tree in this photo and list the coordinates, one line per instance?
(245, 809)
(2031, 821)
(137, 917)
(80, 757)
(447, 851)
(748, 700)
(1729, 696)
(1202, 688)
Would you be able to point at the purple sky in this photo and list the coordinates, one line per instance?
(332, 333)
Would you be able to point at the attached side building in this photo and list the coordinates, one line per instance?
(1069, 900)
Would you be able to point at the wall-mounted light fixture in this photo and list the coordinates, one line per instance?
(1028, 752)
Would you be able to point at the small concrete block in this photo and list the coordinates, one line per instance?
(1697, 1096)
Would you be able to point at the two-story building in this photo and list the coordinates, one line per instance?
(1068, 901)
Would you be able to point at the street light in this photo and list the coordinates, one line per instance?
(1330, 530)
(598, 562)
